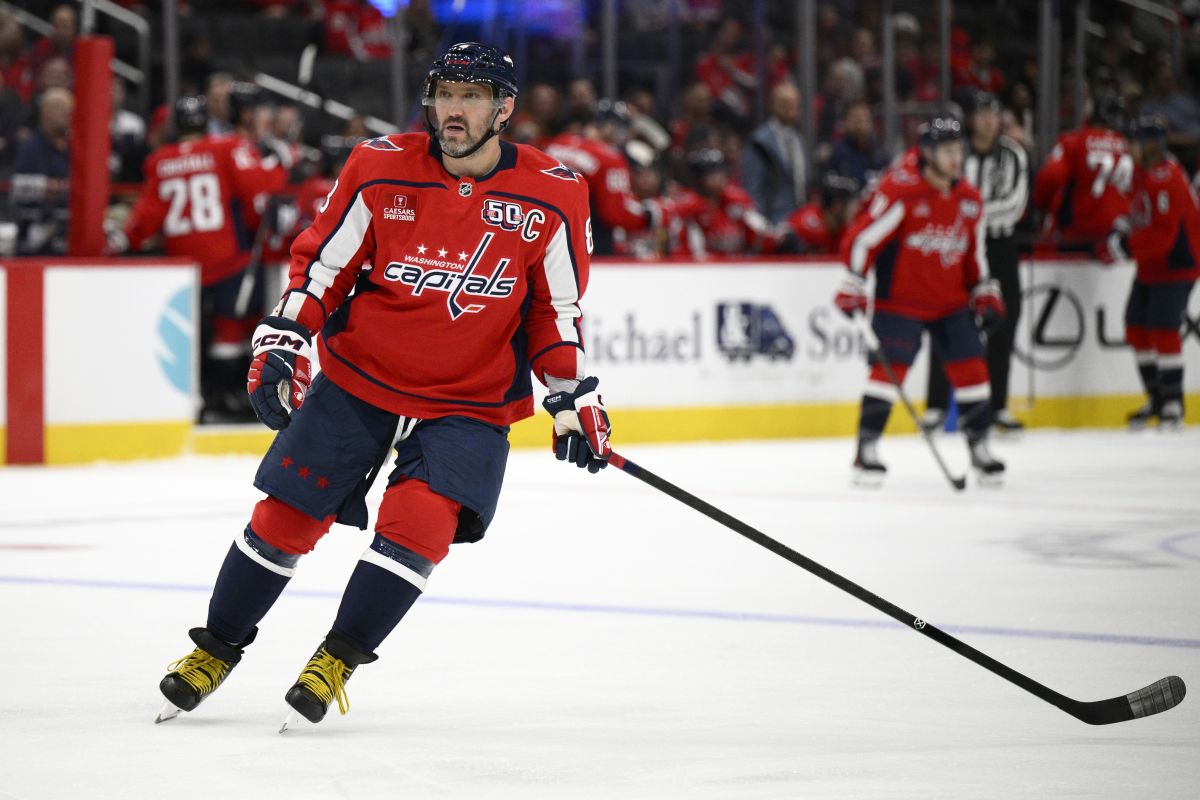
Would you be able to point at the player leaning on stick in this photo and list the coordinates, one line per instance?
(1163, 236)
(468, 257)
(922, 235)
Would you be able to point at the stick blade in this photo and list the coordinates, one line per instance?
(1160, 696)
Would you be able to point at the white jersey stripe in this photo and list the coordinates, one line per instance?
(339, 248)
(564, 289)
(870, 237)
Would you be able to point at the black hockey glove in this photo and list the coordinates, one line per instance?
(581, 426)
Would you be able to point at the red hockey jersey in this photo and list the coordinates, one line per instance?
(609, 184)
(813, 232)
(1165, 240)
(925, 245)
(461, 285)
(201, 194)
(1084, 184)
(729, 225)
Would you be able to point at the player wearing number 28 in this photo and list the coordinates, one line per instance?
(443, 269)
(201, 193)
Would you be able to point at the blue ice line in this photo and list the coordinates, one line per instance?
(646, 611)
(1172, 545)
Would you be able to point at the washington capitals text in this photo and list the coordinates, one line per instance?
(454, 279)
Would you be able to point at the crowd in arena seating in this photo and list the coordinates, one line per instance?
(710, 176)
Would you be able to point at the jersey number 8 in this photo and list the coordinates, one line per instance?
(195, 204)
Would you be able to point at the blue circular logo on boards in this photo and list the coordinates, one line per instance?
(175, 333)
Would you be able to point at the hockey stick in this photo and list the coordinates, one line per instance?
(959, 482)
(1159, 696)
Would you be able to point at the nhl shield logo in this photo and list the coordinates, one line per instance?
(465, 188)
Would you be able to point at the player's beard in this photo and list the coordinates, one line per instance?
(457, 147)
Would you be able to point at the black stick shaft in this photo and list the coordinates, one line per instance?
(850, 587)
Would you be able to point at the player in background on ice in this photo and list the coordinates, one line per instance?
(468, 256)
(998, 167)
(818, 226)
(1162, 235)
(196, 193)
(1083, 187)
(595, 152)
(922, 236)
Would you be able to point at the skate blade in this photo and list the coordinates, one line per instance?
(168, 712)
(867, 480)
(291, 721)
(993, 481)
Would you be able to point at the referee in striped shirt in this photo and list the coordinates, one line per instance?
(999, 168)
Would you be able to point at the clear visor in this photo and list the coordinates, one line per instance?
(464, 95)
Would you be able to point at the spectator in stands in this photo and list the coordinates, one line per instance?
(728, 71)
(11, 114)
(1180, 110)
(980, 71)
(128, 132)
(774, 164)
(539, 117)
(844, 85)
(356, 128)
(196, 66)
(580, 104)
(55, 73)
(216, 96)
(60, 42)
(857, 154)
(15, 69)
(695, 112)
(40, 173)
(644, 126)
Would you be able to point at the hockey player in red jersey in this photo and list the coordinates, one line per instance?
(818, 226)
(719, 217)
(198, 194)
(922, 237)
(1163, 236)
(1084, 185)
(467, 257)
(594, 153)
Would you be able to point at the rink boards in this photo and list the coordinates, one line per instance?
(98, 359)
(105, 351)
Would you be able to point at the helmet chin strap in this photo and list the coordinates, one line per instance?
(491, 131)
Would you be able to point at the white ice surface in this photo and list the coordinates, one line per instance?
(605, 641)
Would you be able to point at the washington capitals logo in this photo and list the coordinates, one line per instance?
(563, 173)
(382, 143)
(456, 280)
